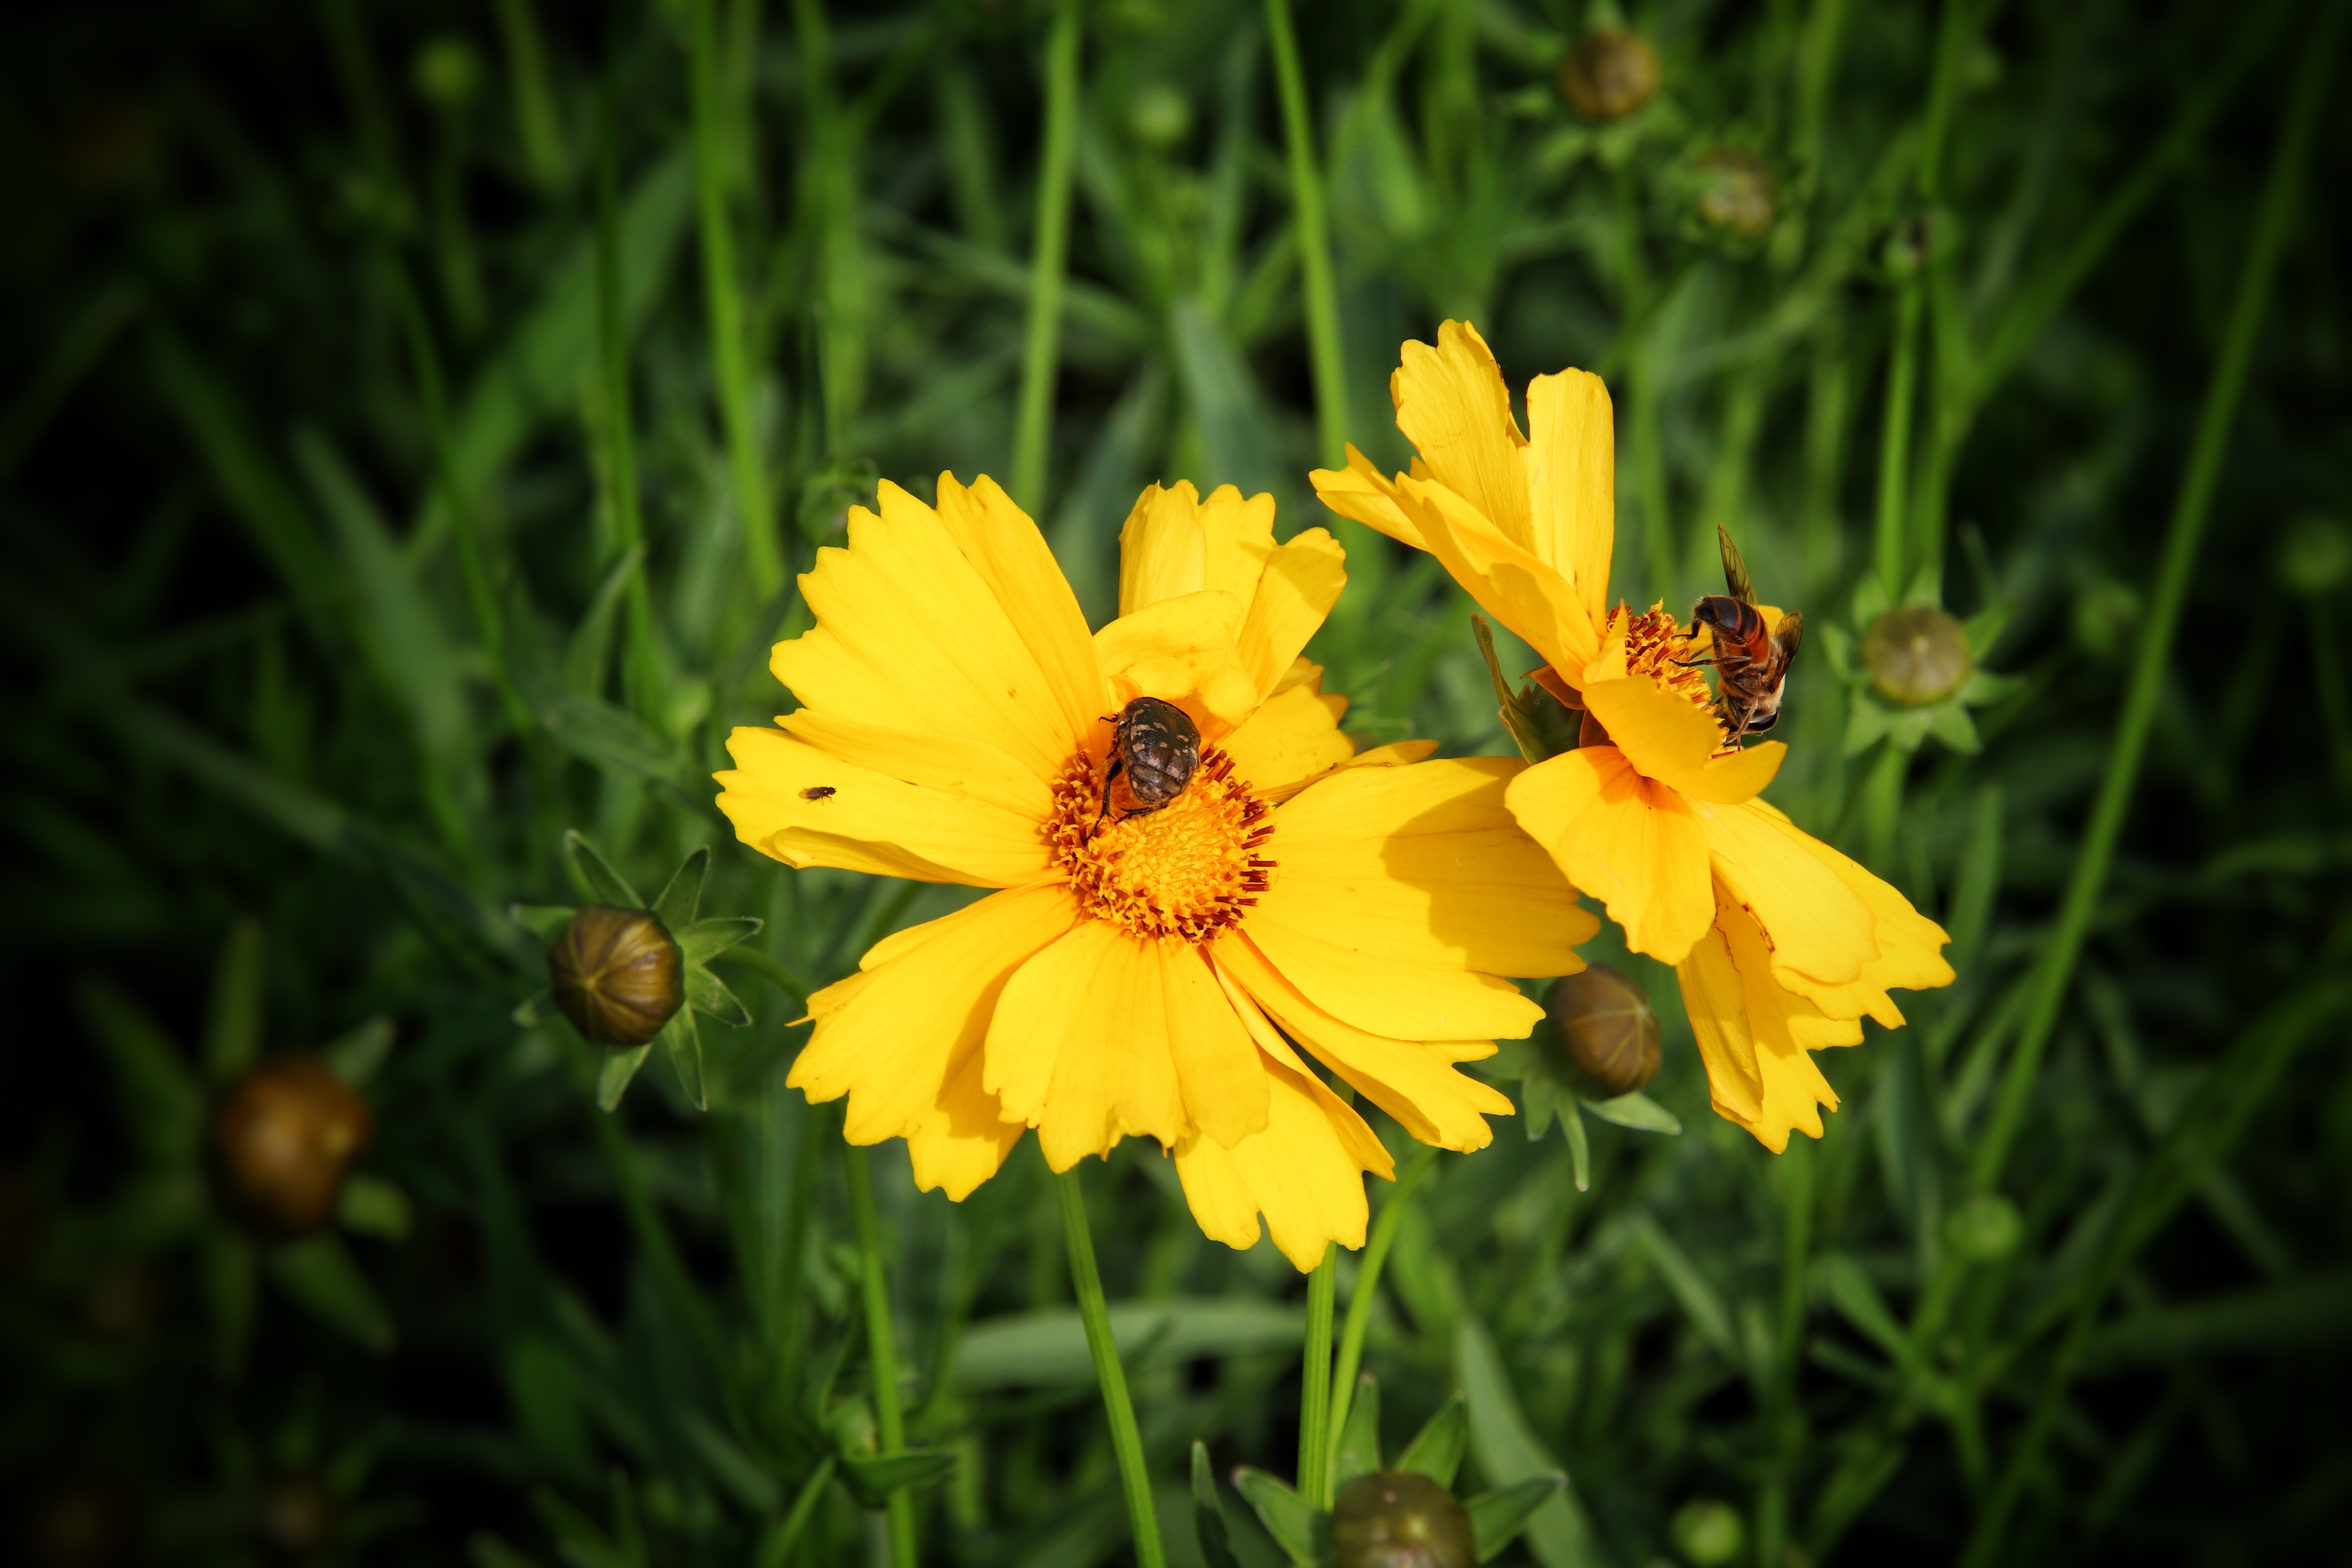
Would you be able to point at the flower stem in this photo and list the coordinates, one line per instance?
(1126, 1441)
(1315, 1382)
(712, 165)
(1359, 1304)
(642, 672)
(1895, 438)
(881, 1342)
(2155, 656)
(1323, 347)
(1048, 257)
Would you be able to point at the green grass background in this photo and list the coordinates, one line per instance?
(412, 416)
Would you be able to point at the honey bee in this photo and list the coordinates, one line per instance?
(1154, 749)
(1752, 664)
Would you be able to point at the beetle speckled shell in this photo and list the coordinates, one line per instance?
(1154, 749)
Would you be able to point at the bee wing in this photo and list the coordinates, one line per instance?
(1735, 569)
(1787, 636)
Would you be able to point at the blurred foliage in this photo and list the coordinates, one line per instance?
(414, 412)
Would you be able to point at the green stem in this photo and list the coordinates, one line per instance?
(1048, 259)
(1894, 437)
(1649, 450)
(728, 340)
(536, 123)
(1359, 1304)
(1315, 1382)
(881, 1342)
(620, 438)
(2223, 395)
(1323, 352)
(777, 1545)
(1125, 1440)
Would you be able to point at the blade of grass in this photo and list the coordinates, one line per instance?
(1323, 341)
(1127, 1441)
(620, 465)
(1048, 259)
(881, 1341)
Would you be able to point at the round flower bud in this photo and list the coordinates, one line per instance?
(2315, 556)
(447, 73)
(1159, 116)
(1599, 1032)
(1401, 1518)
(1708, 1532)
(294, 1514)
(1610, 74)
(1985, 1229)
(1918, 655)
(617, 974)
(1737, 192)
(286, 1137)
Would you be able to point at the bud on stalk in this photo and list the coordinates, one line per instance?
(617, 974)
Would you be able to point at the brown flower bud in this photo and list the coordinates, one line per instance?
(1401, 1518)
(1599, 1031)
(616, 973)
(294, 1514)
(1918, 655)
(287, 1136)
(1737, 192)
(1610, 74)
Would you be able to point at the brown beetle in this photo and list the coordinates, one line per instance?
(1153, 751)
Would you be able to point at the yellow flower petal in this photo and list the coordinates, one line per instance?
(1571, 464)
(1820, 929)
(1373, 990)
(1452, 405)
(1507, 580)
(1180, 648)
(1415, 1083)
(1298, 1170)
(955, 765)
(806, 806)
(1359, 491)
(1424, 866)
(1300, 582)
(1362, 1144)
(1674, 740)
(1631, 842)
(910, 630)
(1237, 538)
(1004, 545)
(1289, 740)
(1766, 1035)
(1910, 945)
(898, 1037)
(1078, 1046)
(1217, 1067)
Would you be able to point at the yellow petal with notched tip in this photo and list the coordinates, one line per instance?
(1452, 405)
(1572, 478)
(1820, 928)
(1507, 580)
(897, 1036)
(1004, 545)
(1674, 740)
(1078, 1048)
(961, 1139)
(1630, 841)
(1299, 583)
(1910, 945)
(1218, 1069)
(1424, 865)
(1359, 491)
(1413, 1081)
(1237, 537)
(1291, 739)
(1298, 1171)
(861, 820)
(1179, 648)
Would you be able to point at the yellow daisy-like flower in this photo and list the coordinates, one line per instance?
(1780, 943)
(1156, 973)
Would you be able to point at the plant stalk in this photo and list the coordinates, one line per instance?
(1325, 352)
(620, 437)
(2189, 511)
(1126, 1439)
(881, 1341)
(1315, 1382)
(1048, 260)
(1895, 438)
(1359, 1304)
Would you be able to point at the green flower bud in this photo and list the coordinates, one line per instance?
(2315, 556)
(617, 974)
(1401, 1518)
(2107, 613)
(1985, 1229)
(1918, 655)
(285, 1136)
(1737, 192)
(447, 73)
(1708, 1532)
(1610, 74)
(1160, 116)
(1598, 1033)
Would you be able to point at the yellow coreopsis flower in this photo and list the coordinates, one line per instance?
(1154, 972)
(1780, 943)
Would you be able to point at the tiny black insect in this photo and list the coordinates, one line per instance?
(816, 791)
(1155, 748)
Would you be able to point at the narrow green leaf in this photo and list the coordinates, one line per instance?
(163, 1104)
(355, 1054)
(1509, 1453)
(1360, 1441)
(1638, 1111)
(874, 1477)
(595, 874)
(736, 1471)
(1436, 1450)
(706, 993)
(1857, 1300)
(589, 652)
(1298, 1526)
(1496, 1517)
(233, 1027)
(1047, 1348)
(621, 1065)
(1209, 1525)
(705, 940)
(1699, 1300)
(371, 1205)
(681, 901)
(1579, 1144)
(684, 1041)
(320, 1274)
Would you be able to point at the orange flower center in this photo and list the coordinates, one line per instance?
(1188, 870)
